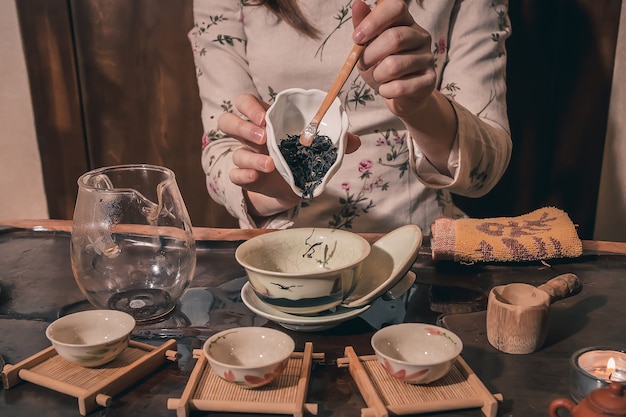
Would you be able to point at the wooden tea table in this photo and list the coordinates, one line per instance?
(36, 286)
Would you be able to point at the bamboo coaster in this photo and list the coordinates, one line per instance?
(285, 395)
(91, 386)
(385, 395)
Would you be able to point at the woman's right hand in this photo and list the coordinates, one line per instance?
(255, 172)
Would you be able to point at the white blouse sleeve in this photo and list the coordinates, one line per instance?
(219, 43)
(474, 80)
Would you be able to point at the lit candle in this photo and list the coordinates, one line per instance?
(603, 372)
(615, 374)
(596, 367)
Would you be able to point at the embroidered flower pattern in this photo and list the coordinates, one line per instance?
(358, 94)
(398, 154)
(440, 48)
(343, 15)
(355, 203)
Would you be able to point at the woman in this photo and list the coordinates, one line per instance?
(427, 105)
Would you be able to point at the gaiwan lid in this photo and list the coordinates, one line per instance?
(387, 266)
(608, 400)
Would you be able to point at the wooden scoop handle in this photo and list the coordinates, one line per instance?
(310, 130)
(342, 77)
(561, 287)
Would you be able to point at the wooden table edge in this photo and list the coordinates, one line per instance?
(200, 233)
(216, 233)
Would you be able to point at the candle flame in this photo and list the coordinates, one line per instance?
(610, 365)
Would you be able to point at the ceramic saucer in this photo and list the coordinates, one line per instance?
(318, 322)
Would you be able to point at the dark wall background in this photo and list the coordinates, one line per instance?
(559, 77)
(113, 82)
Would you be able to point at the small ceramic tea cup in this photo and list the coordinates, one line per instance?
(291, 111)
(249, 356)
(91, 338)
(416, 353)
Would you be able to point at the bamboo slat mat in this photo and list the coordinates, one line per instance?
(92, 387)
(206, 391)
(385, 395)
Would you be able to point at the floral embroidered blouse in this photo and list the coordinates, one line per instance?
(242, 48)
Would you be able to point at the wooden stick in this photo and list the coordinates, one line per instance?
(343, 362)
(182, 405)
(241, 406)
(309, 132)
(11, 373)
(430, 407)
(303, 381)
(45, 381)
(154, 357)
(490, 402)
(368, 390)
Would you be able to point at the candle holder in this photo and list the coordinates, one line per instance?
(591, 369)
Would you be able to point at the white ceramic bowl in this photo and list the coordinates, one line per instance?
(249, 356)
(416, 353)
(303, 270)
(291, 111)
(91, 338)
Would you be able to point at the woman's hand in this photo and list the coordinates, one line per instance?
(265, 189)
(399, 64)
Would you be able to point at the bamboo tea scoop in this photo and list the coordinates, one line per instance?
(517, 314)
(309, 132)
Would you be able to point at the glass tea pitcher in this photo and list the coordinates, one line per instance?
(132, 247)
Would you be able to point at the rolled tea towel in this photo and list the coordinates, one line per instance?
(545, 233)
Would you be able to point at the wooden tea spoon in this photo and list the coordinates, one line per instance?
(309, 132)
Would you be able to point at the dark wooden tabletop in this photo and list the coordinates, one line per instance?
(37, 286)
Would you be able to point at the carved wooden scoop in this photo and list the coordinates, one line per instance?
(517, 314)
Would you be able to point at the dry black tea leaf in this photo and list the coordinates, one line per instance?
(308, 164)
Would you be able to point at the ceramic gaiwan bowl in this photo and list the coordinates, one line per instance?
(91, 338)
(249, 356)
(303, 270)
(291, 111)
(416, 353)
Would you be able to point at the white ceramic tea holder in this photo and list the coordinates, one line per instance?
(292, 110)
